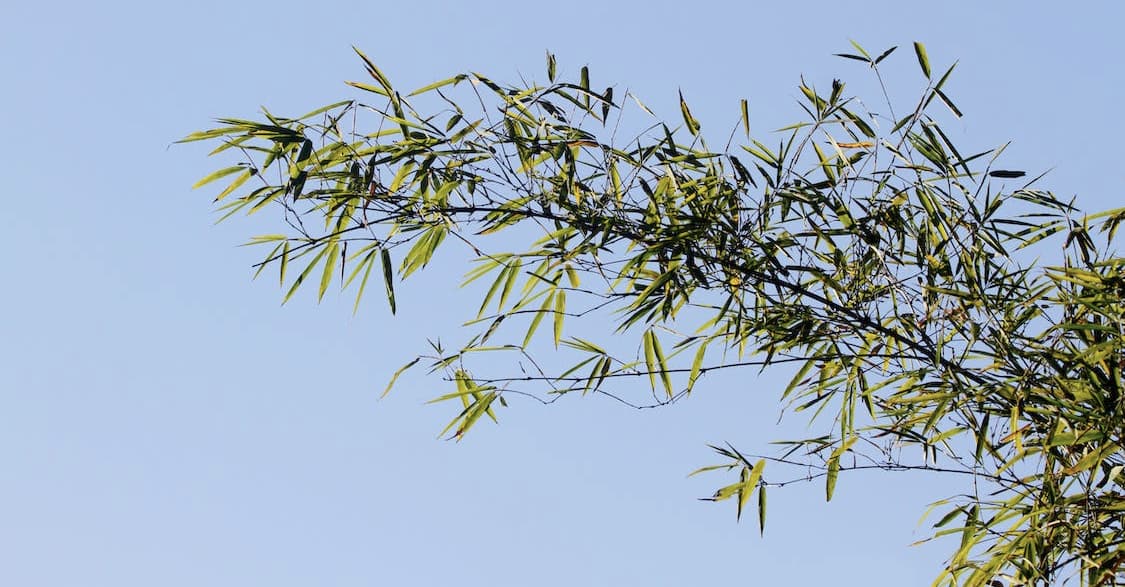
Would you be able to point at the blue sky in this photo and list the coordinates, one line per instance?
(164, 421)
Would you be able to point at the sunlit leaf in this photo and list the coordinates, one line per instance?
(923, 60)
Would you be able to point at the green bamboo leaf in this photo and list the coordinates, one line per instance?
(283, 263)
(542, 311)
(662, 362)
(237, 183)
(884, 55)
(369, 88)
(650, 357)
(400, 371)
(944, 77)
(762, 509)
(461, 393)
(324, 109)
(572, 275)
(834, 466)
(727, 492)
(800, 377)
(550, 67)
(388, 278)
(584, 82)
(850, 56)
(375, 73)
(745, 117)
(305, 152)
(749, 477)
(271, 255)
(513, 270)
(423, 250)
(750, 484)
(301, 278)
(490, 330)
(501, 277)
(648, 291)
(641, 105)
(923, 61)
(830, 478)
(689, 120)
(453, 121)
(697, 365)
(597, 374)
(480, 407)
(366, 264)
(203, 135)
(265, 238)
(709, 468)
(400, 177)
(825, 165)
(948, 104)
(861, 50)
(560, 314)
(743, 492)
(330, 259)
(218, 175)
(859, 123)
(441, 84)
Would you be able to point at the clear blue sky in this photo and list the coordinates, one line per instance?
(163, 421)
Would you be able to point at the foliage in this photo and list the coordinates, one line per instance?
(892, 270)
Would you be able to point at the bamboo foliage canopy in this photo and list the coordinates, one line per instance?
(893, 270)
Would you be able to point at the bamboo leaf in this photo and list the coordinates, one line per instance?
(388, 278)
(689, 120)
(923, 60)
(217, 175)
(513, 270)
(650, 357)
(237, 183)
(697, 365)
(375, 73)
(560, 314)
(743, 493)
(884, 55)
(365, 265)
(762, 509)
(330, 258)
(400, 371)
(662, 362)
(440, 84)
(495, 287)
(542, 311)
(861, 50)
(301, 278)
(369, 88)
(283, 262)
(834, 466)
(745, 117)
(830, 478)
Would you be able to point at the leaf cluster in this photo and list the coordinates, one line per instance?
(894, 271)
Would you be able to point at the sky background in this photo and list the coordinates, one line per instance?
(164, 421)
